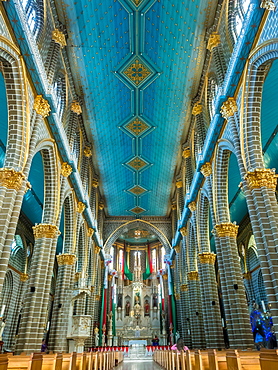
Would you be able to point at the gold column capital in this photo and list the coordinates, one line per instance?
(184, 288)
(24, 277)
(174, 207)
(247, 275)
(206, 169)
(226, 229)
(95, 183)
(45, 231)
(90, 232)
(213, 41)
(179, 184)
(207, 257)
(41, 106)
(87, 151)
(228, 108)
(192, 206)
(59, 37)
(66, 259)
(76, 107)
(127, 249)
(97, 249)
(197, 109)
(186, 153)
(11, 179)
(268, 5)
(80, 207)
(261, 177)
(66, 169)
(183, 231)
(193, 275)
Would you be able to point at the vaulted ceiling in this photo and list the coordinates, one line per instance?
(136, 61)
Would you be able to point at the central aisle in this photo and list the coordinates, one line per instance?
(135, 365)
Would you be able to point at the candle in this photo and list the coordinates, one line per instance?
(263, 306)
(48, 323)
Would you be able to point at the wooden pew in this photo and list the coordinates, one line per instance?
(269, 359)
(52, 361)
(201, 360)
(217, 360)
(241, 360)
(4, 362)
(22, 362)
(69, 361)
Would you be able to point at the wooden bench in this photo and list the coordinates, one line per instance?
(241, 360)
(69, 361)
(52, 361)
(269, 359)
(217, 360)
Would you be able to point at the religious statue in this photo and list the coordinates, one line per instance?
(120, 299)
(137, 298)
(147, 308)
(127, 308)
(96, 333)
(2, 327)
(155, 301)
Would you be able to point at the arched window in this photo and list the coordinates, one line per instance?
(33, 13)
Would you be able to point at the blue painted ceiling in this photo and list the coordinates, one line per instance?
(136, 60)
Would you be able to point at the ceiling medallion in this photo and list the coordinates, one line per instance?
(138, 234)
(137, 72)
(137, 190)
(137, 210)
(137, 127)
(137, 163)
(137, 2)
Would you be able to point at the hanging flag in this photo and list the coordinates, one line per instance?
(148, 270)
(128, 274)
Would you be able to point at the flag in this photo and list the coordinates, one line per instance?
(148, 270)
(128, 274)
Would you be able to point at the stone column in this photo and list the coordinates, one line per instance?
(36, 299)
(58, 42)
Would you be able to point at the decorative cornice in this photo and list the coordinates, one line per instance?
(76, 107)
(95, 183)
(66, 259)
(41, 106)
(87, 151)
(59, 37)
(179, 184)
(186, 153)
(261, 177)
(197, 109)
(247, 275)
(226, 229)
(24, 277)
(66, 169)
(11, 179)
(45, 231)
(80, 207)
(207, 257)
(183, 231)
(206, 169)
(184, 288)
(228, 108)
(192, 206)
(193, 275)
(97, 249)
(268, 5)
(213, 41)
(90, 232)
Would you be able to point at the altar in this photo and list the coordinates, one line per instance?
(139, 342)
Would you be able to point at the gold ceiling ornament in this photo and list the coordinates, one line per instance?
(192, 206)
(90, 232)
(137, 163)
(80, 207)
(137, 126)
(138, 234)
(268, 5)
(101, 206)
(137, 2)
(95, 183)
(179, 184)
(45, 231)
(97, 297)
(184, 288)
(207, 257)
(247, 275)
(59, 37)
(206, 169)
(97, 249)
(261, 177)
(186, 153)
(228, 108)
(137, 72)
(197, 109)
(226, 229)
(77, 276)
(76, 107)
(66, 169)
(41, 106)
(24, 277)
(137, 210)
(177, 248)
(66, 259)
(177, 296)
(183, 231)
(87, 151)
(137, 190)
(193, 275)
(11, 179)
(213, 41)
(28, 186)
(173, 206)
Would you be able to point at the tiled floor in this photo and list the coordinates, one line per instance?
(137, 365)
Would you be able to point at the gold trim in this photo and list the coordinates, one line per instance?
(59, 37)
(24, 277)
(184, 288)
(177, 296)
(95, 183)
(213, 41)
(207, 257)
(11, 179)
(186, 153)
(45, 231)
(66, 169)
(87, 151)
(247, 275)
(268, 5)
(90, 232)
(226, 229)
(178, 248)
(41, 106)
(229, 108)
(76, 107)
(193, 275)
(66, 259)
(197, 109)
(192, 206)
(179, 184)
(97, 249)
(261, 177)
(206, 169)
(80, 207)
(77, 276)
(101, 206)
(183, 231)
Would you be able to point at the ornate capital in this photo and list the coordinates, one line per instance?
(80, 207)
(66, 259)
(247, 275)
(183, 231)
(66, 169)
(261, 177)
(228, 108)
(24, 277)
(76, 107)
(207, 257)
(184, 288)
(177, 248)
(41, 106)
(59, 37)
(213, 41)
(186, 153)
(226, 229)
(179, 184)
(95, 183)
(97, 249)
(45, 231)
(87, 151)
(192, 206)
(90, 232)
(11, 179)
(197, 109)
(206, 169)
(268, 5)
(193, 275)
